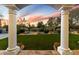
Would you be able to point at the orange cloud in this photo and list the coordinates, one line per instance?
(38, 18)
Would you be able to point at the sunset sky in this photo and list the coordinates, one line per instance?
(31, 10)
(37, 9)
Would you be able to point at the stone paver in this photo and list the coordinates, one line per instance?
(76, 52)
(39, 52)
(1, 52)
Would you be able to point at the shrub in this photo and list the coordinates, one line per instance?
(20, 31)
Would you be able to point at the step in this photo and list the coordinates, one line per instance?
(40, 52)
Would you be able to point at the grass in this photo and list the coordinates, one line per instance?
(73, 42)
(41, 42)
(3, 44)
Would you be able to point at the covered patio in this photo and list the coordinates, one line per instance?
(63, 49)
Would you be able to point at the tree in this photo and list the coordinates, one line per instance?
(6, 27)
(29, 27)
(74, 19)
(74, 16)
(58, 24)
(41, 26)
(33, 28)
(52, 24)
(21, 28)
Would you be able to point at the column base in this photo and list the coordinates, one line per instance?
(63, 51)
(13, 51)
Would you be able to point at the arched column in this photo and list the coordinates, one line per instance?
(64, 43)
(12, 31)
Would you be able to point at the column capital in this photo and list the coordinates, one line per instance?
(66, 7)
(64, 12)
(11, 6)
(11, 11)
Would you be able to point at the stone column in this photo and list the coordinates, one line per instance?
(12, 32)
(64, 44)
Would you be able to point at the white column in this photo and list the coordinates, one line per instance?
(64, 44)
(12, 32)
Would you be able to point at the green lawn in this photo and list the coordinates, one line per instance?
(3, 44)
(41, 42)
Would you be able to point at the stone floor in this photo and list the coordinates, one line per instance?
(40, 52)
(76, 52)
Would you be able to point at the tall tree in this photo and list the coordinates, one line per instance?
(41, 26)
(74, 18)
(29, 27)
(52, 24)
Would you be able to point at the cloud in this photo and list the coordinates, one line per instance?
(36, 18)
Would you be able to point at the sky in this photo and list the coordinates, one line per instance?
(35, 9)
(4, 12)
(31, 10)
